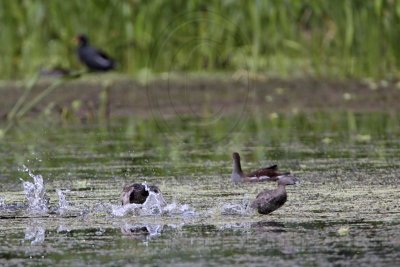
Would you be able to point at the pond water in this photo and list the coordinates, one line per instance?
(346, 210)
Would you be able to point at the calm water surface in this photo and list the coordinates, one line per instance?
(346, 210)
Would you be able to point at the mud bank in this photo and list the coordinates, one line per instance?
(191, 96)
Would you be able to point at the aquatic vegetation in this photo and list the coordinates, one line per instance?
(281, 37)
(347, 203)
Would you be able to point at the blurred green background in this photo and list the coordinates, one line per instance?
(339, 38)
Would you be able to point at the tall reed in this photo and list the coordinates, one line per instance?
(330, 38)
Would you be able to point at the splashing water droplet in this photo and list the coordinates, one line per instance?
(35, 193)
(236, 208)
(120, 211)
(2, 202)
(35, 233)
(63, 229)
(155, 204)
(177, 209)
(62, 202)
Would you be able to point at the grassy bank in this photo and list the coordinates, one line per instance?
(329, 38)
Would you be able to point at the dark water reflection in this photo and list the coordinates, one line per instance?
(345, 212)
(368, 243)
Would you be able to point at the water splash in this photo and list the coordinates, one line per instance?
(155, 204)
(35, 233)
(63, 229)
(35, 193)
(233, 209)
(64, 208)
(242, 208)
(178, 209)
(120, 211)
(152, 206)
(2, 202)
(63, 204)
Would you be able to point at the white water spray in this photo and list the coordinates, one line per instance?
(35, 193)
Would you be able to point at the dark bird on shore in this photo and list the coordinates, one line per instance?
(265, 174)
(138, 193)
(269, 200)
(94, 59)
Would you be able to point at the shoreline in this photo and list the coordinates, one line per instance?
(180, 95)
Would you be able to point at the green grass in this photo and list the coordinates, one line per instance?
(340, 38)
